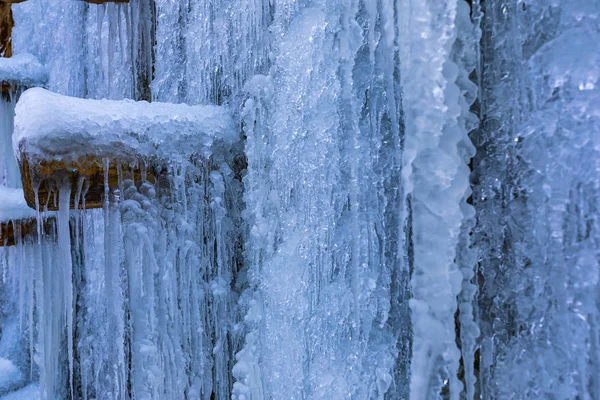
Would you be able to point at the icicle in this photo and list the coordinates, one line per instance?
(20, 262)
(78, 213)
(9, 168)
(111, 42)
(51, 324)
(100, 14)
(435, 178)
(141, 266)
(349, 47)
(31, 305)
(4, 261)
(39, 295)
(220, 285)
(467, 59)
(64, 244)
(108, 238)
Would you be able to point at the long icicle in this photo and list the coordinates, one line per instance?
(64, 243)
(434, 179)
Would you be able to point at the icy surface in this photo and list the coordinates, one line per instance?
(23, 70)
(30, 392)
(366, 239)
(311, 299)
(49, 124)
(13, 205)
(536, 196)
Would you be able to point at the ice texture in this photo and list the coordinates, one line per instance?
(23, 70)
(50, 125)
(9, 375)
(536, 196)
(404, 205)
(30, 392)
(302, 292)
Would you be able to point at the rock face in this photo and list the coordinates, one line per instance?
(6, 26)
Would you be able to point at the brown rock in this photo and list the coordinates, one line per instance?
(6, 26)
(8, 228)
(48, 175)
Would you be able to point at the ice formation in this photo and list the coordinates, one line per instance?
(16, 74)
(393, 199)
(10, 375)
(30, 392)
(54, 126)
(23, 70)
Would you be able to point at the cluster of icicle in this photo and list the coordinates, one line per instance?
(356, 117)
(94, 51)
(134, 300)
(333, 239)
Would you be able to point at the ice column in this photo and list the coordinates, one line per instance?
(322, 141)
(436, 179)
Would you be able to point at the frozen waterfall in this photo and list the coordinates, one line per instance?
(307, 199)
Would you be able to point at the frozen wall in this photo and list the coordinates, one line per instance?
(536, 175)
(136, 300)
(367, 238)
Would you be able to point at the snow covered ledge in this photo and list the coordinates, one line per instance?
(21, 71)
(58, 137)
(14, 213)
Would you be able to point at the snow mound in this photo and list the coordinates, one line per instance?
(30, 392)
(54, 126)
(13, 206)
(9, 374)
(23, 69)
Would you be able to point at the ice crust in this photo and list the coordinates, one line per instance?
(23, 70)
(54, 126)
